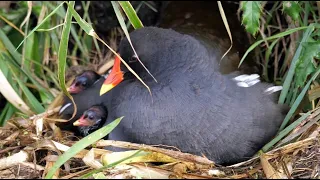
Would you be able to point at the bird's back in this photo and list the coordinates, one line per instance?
(202, 20)
(213, 116)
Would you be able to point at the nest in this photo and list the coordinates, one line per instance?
(31, 146)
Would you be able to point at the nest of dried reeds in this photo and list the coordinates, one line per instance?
(31, 146)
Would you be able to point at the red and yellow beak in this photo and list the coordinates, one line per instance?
(114, 78)
(82, 122)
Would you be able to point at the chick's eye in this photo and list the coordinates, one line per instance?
(91, 117)
(84, 83)
(134, 58)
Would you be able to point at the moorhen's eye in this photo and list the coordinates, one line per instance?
(134, 58)
(77, 83)
(84, 83)
(91, 117)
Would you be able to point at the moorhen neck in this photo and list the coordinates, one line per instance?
(92, 119)
(83, 81)
(193, 106)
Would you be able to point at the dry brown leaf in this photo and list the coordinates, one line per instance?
(269, 171)
(90, 161)
(14, 159)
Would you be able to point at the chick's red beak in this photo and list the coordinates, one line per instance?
(82, 122)
(73, 89)
(114, 78)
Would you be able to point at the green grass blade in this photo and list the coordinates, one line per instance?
(284, 132)
(131, 14)
(124, 28)
(28, 54)
(82, 23)
(298, 100)
(150, 6)
(7, 88)
(137, 11)
(17, 59)
(9, 46)
(267, 56)
(83, 143)
(6, 113)
(74, 34)
(26, 72)
(292, 68)
(44, 20)
(53, 28)
(32, 100)
(290, 31)
(86, 10)
(62, 54)
(109, 165)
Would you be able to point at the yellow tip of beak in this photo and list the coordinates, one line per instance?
(76, 123)
(105, 88)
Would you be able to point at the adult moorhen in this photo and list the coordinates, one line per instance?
(202, 20)
(196, 105)
(193, 106)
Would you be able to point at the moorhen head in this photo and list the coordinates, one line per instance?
(92, 119)
(83, 81)
(193, 105)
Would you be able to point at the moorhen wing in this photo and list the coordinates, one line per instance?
(192, 106)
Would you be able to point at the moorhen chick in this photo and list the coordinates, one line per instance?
(83, 81)
(92, 119)
(192, 106)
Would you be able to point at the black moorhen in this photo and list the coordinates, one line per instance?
(83, 81)
(193, 106)
(92, 119)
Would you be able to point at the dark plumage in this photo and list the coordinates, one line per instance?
(196, 105)
(192, 107)
(202, 20)
(81, 83)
